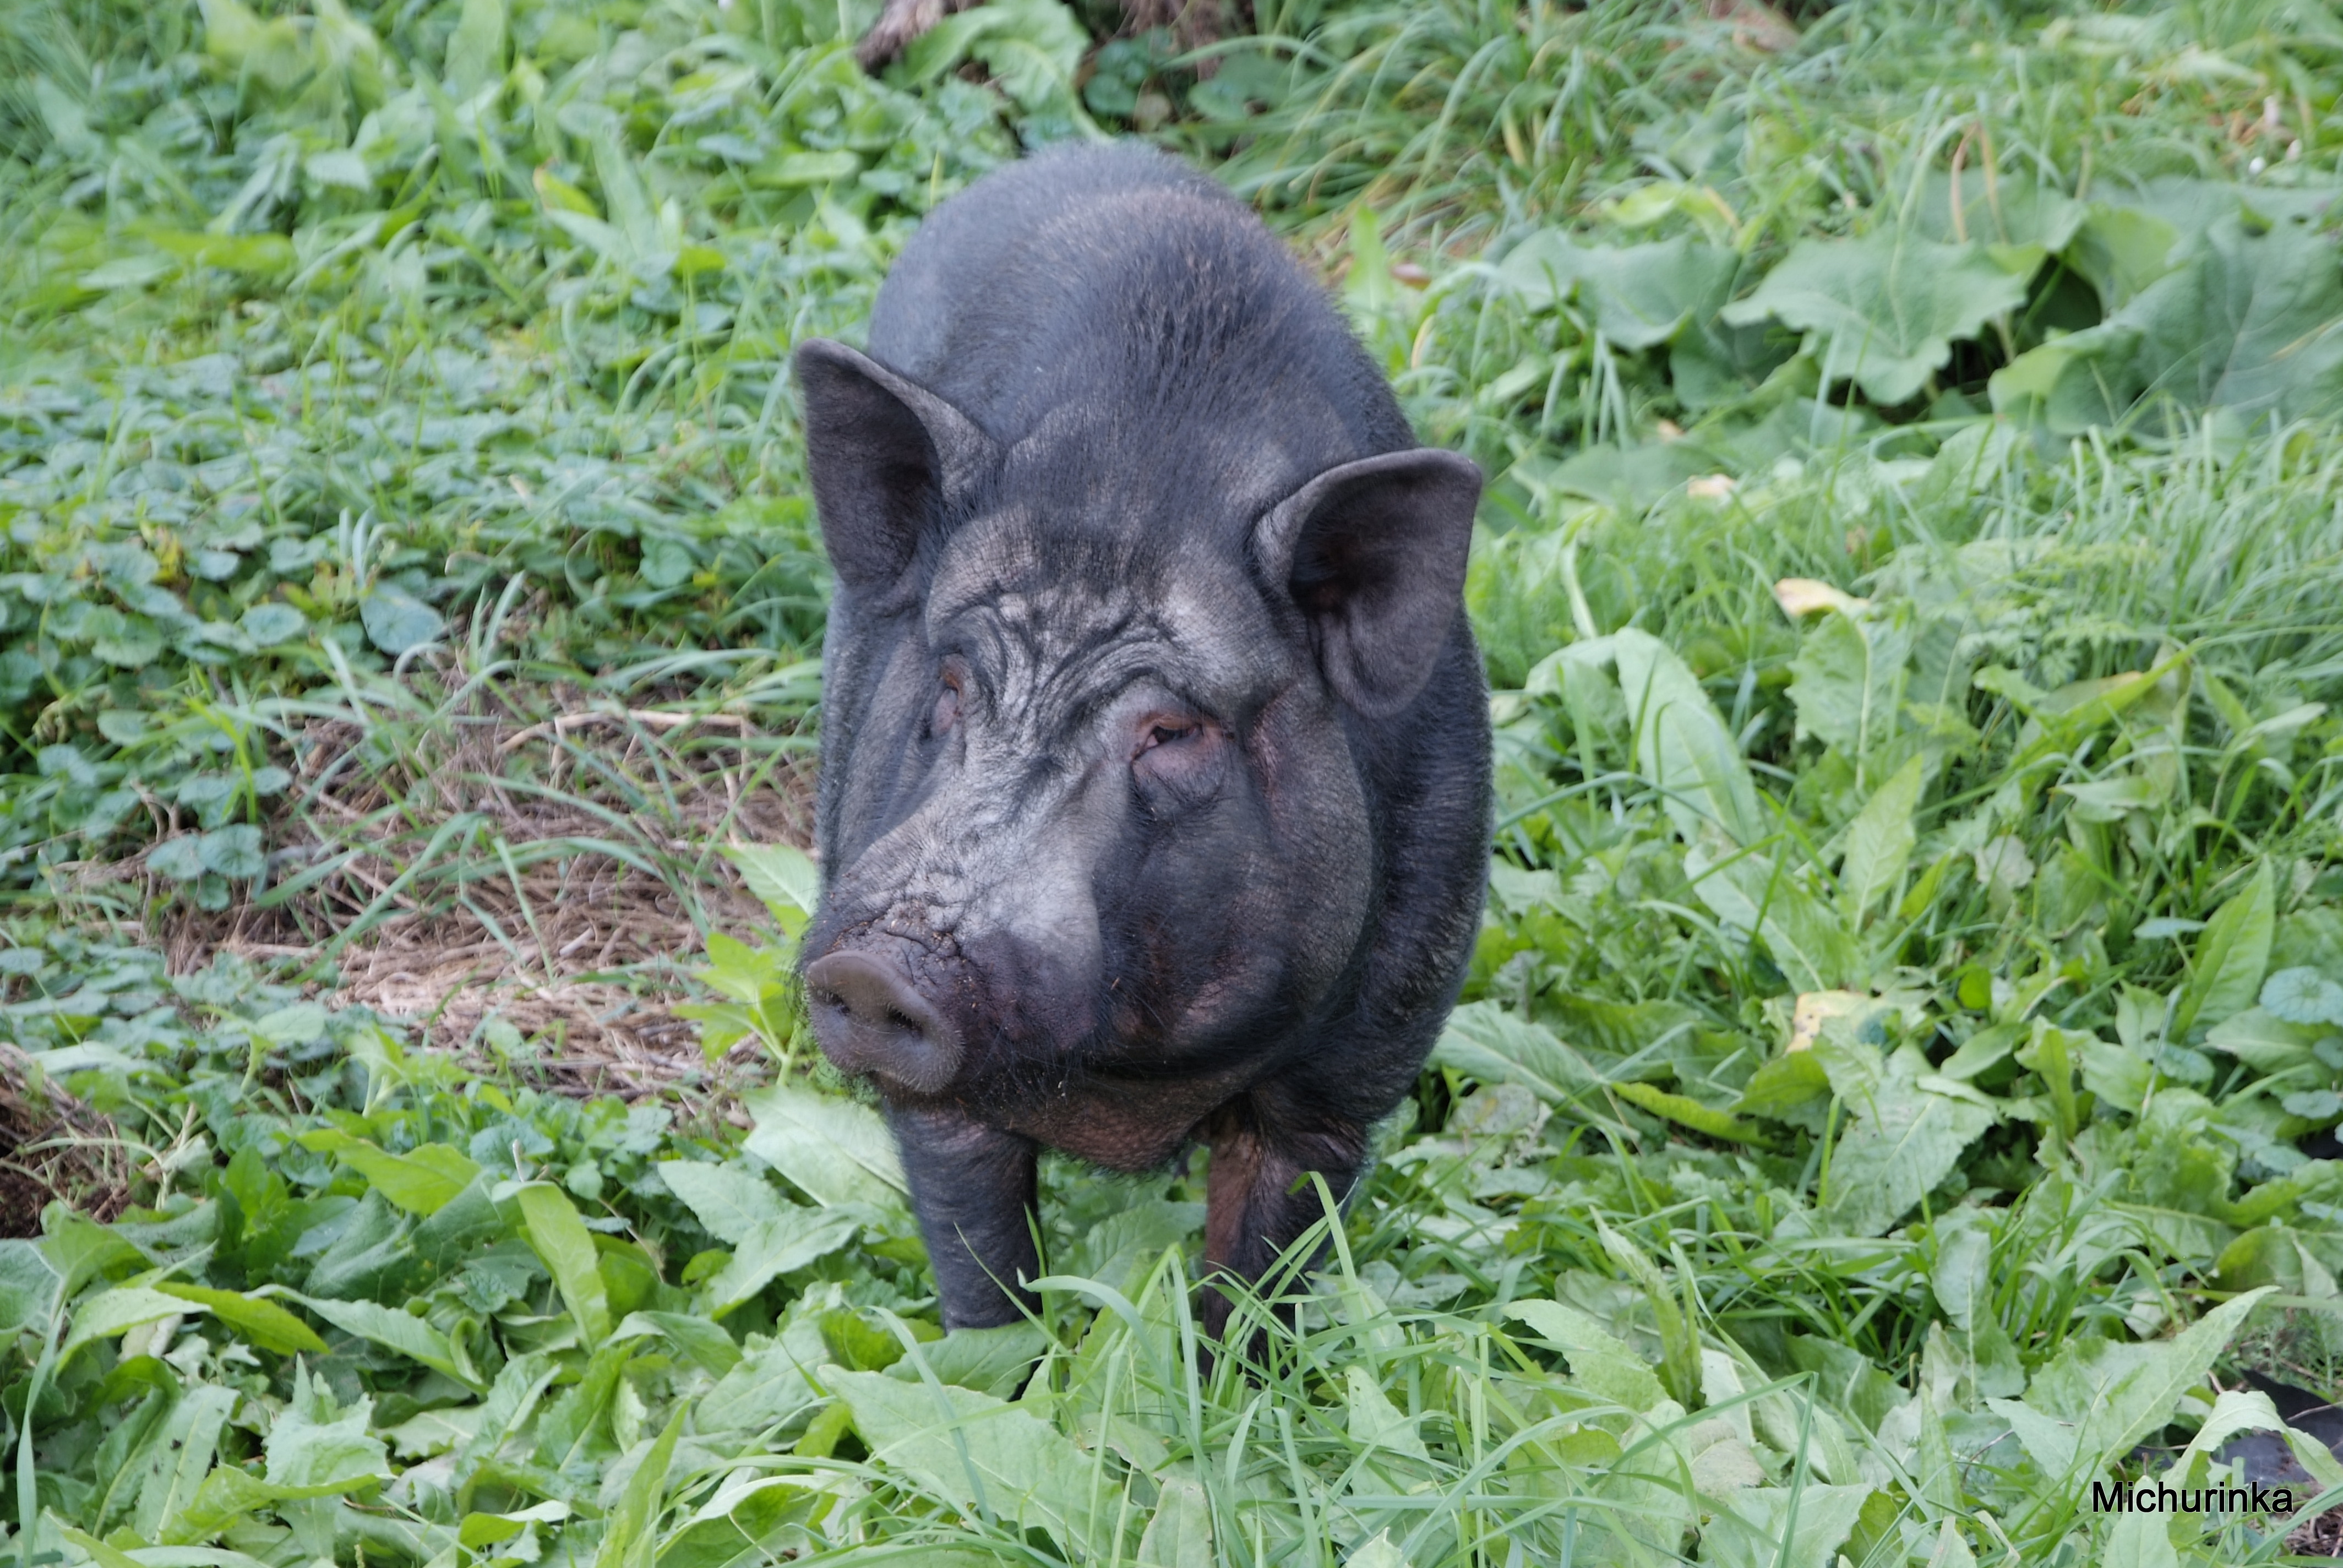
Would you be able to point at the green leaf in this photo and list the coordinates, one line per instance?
(2248, 323)
(1681, 744)
(476, 50)
(1375, 1422)
(769, 1387)
(180, 859)
(1689, 1112)
(994, 1360)
(1180, 1535)
(698, 1338)
(782, 875)
(234, 852)
(562, 1243)
(396, 621)
(259, 1320)
(421, 1182)
(1879, 842)
(1602, 1361)
(835, 1150)
(1848, 681)
(1782, 1527)
(986, 1456)
(117, 1311)
(270, 623)
(628, 1539)
(315, 1441)
(1032, 48)
(2303, 996)
(2225, 971)
(2141, 1396)
(410, 1336)
(169, 1470)
(789, 1240)
(1496, 1045)
(30, 1288)
(731, 1201)
(1885, 308)
(1756, 896)
(1639, 296)
(1901, 1140)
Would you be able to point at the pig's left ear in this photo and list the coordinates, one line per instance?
(1373, 554)
(885, 456)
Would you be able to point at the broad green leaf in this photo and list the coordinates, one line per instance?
(396, 621)
(259, 1320)
(316, 1441)
(994, 1360)
(30, 1287)
(233, 851)
(269, 623)
(1879, 842)
(1375, 1422)
(2225, 971)
(1900, 1141)
(1756, 896)
(1681, 744)
(1639, 296)
(1780, 1527)
(562, 1243)
(696, 1337)
(2303, 996)
(2144, 1397)
(1885, 309)
(1848, 679)
(421, 1182)
(165, 1472)
(989, 1457)
(769, 1387)
(2016, 217)
(791, 1239)
(835, 1150)
(1603, 1362)
(1496, 1045)
(1030, 47)
(729, 1200)
(410, 1336)
(1180, 1535)
(476, 50)
(118, 1310)
(742, 1525)
(2248, 324)
(782, 875)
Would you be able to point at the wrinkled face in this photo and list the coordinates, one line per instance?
(1119, 823)
(1089, 798)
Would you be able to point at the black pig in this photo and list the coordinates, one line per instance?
(1154, 800)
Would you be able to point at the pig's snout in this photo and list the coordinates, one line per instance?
(869, 1018)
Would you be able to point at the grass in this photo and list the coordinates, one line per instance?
(1897, 1083)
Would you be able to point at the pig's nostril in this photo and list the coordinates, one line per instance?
(869, 1018)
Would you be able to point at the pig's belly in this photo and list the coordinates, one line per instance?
(1130, 1126)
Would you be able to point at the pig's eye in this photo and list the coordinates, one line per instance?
(1168, 734)
(946, 710)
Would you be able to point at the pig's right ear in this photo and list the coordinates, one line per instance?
(885, 455)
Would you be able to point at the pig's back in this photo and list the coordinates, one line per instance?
(1117, 289)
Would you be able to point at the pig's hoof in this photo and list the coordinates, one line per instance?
(869, 1018)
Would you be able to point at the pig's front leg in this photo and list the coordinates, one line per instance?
(972, 1189)
(1258, 1198)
